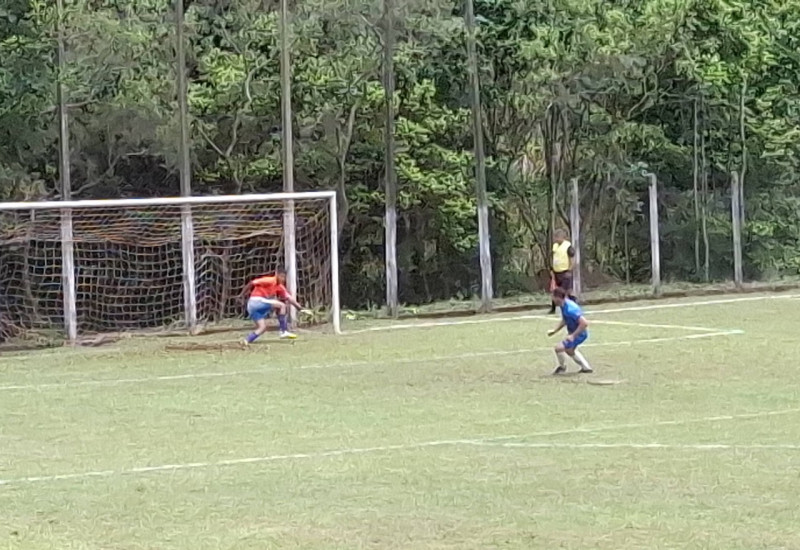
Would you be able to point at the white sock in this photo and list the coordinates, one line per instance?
(581, 360)
(561, 358)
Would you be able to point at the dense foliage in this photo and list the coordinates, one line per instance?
(591, 89)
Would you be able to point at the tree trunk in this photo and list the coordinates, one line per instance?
(609, 252)
(551, 161)
(627, 255)
(695, 187)
(743, 138)
(704, 206)
(344, 139)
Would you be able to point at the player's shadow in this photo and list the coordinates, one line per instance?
(567, 375)
(574, 377)
(580, 378)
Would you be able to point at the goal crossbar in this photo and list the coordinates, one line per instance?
(65, 218)
(169, 201)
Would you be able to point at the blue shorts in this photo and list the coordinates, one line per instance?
(258, 310)
(577, 342)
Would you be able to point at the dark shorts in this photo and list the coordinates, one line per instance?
(564, 280)
(258, 310)
(577, 342)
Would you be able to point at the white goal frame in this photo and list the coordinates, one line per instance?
(68, 273)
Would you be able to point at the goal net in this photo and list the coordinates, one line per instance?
(112, 266)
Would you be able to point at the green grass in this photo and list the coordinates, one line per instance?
(430, 437)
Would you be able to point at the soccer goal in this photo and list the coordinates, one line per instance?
(87, 267)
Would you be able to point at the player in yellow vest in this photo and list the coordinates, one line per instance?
(563, 263)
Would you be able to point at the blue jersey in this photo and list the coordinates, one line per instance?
(571, 313)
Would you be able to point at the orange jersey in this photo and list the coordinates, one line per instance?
(268, 287)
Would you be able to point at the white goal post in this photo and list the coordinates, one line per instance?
(82, 267)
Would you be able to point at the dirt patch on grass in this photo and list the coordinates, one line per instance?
(205, 346)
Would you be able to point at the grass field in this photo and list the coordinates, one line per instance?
(420, 437)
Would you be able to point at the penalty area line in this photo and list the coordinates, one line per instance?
(357, 364)
(589, 312)
(593, 321)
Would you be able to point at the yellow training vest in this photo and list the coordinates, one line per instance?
(561, 257)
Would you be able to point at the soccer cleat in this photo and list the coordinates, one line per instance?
(560, 370)
(286, 335)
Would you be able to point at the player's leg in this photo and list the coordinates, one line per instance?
(258, 312)
(283, 323)
(557, 283)
(561, 359)
(571, 349)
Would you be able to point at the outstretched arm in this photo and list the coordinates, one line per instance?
(294, 303)
(284, 295)
(558, 329)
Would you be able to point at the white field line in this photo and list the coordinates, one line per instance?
(489, 319)
(589, 313)
(365, 450)
(225, 463)
(517, 318)
(100, 351)
(681, 446)
(652, 424)
(661, 326)
(720, 301)
(357, 364)
(80, 352)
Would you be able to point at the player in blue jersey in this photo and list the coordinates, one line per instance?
(572, 318)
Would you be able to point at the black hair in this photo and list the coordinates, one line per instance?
(560, 293)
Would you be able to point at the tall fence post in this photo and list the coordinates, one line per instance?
(289, 225)
(68, 276)
(187, 224)
(390, 220)
(336, 306)
(67, 243)
(575, 231)
(484, 243)
(736, 224)
(655, 242)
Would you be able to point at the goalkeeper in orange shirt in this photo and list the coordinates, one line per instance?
(269, 293)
